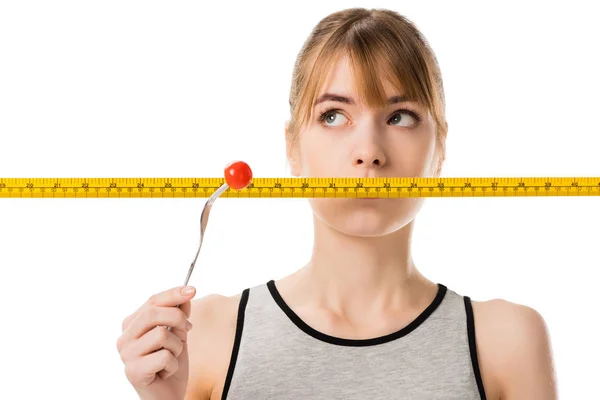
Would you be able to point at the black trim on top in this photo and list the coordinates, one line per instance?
(473, 346)
(356, 342)
(236, 344)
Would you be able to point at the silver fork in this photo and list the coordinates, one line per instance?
(203, 222)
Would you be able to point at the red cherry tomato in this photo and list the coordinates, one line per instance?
(238, 175)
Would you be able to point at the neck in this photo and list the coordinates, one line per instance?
(354, 276)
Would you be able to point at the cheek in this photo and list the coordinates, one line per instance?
(421, 158)
(320, 156)
(415, 156)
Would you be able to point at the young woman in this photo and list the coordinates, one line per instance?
(359, 321)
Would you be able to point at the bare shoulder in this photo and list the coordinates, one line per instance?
(514, 351)
(210, 342)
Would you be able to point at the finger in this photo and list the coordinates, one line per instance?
(143, 370)
(167, 372)
(151, 317)
(164, 374)
(172, 297)
(158, 338)
(181, 334)
(163, 360)
(181, 362)
(186, 308)
(127, 321)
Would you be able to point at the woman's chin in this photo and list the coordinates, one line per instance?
(365, 217)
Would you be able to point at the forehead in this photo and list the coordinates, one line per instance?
(341, 79)
(341, 76)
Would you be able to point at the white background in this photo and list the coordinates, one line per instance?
(179, 89)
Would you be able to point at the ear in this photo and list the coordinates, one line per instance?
(439, 161)
(292, 151)
(435, 168)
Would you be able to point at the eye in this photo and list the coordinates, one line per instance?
(407, 117)
(330, 116)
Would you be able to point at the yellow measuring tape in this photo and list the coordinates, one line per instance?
(299, 187)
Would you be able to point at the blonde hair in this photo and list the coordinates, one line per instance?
(375, 40)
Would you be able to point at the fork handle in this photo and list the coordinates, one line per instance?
(187, 279)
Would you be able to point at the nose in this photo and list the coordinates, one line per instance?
(369, 155)
(375, 161)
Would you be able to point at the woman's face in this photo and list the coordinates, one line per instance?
(350, 140)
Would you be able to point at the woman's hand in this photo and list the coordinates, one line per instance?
(156, 359)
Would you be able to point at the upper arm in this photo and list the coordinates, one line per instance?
(516, 350)
(209, 344)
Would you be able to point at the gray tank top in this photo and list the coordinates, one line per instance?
(276, 355)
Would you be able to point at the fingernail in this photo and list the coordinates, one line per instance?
(187, 290)
(188, 325)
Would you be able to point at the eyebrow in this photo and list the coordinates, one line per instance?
(349, 100)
